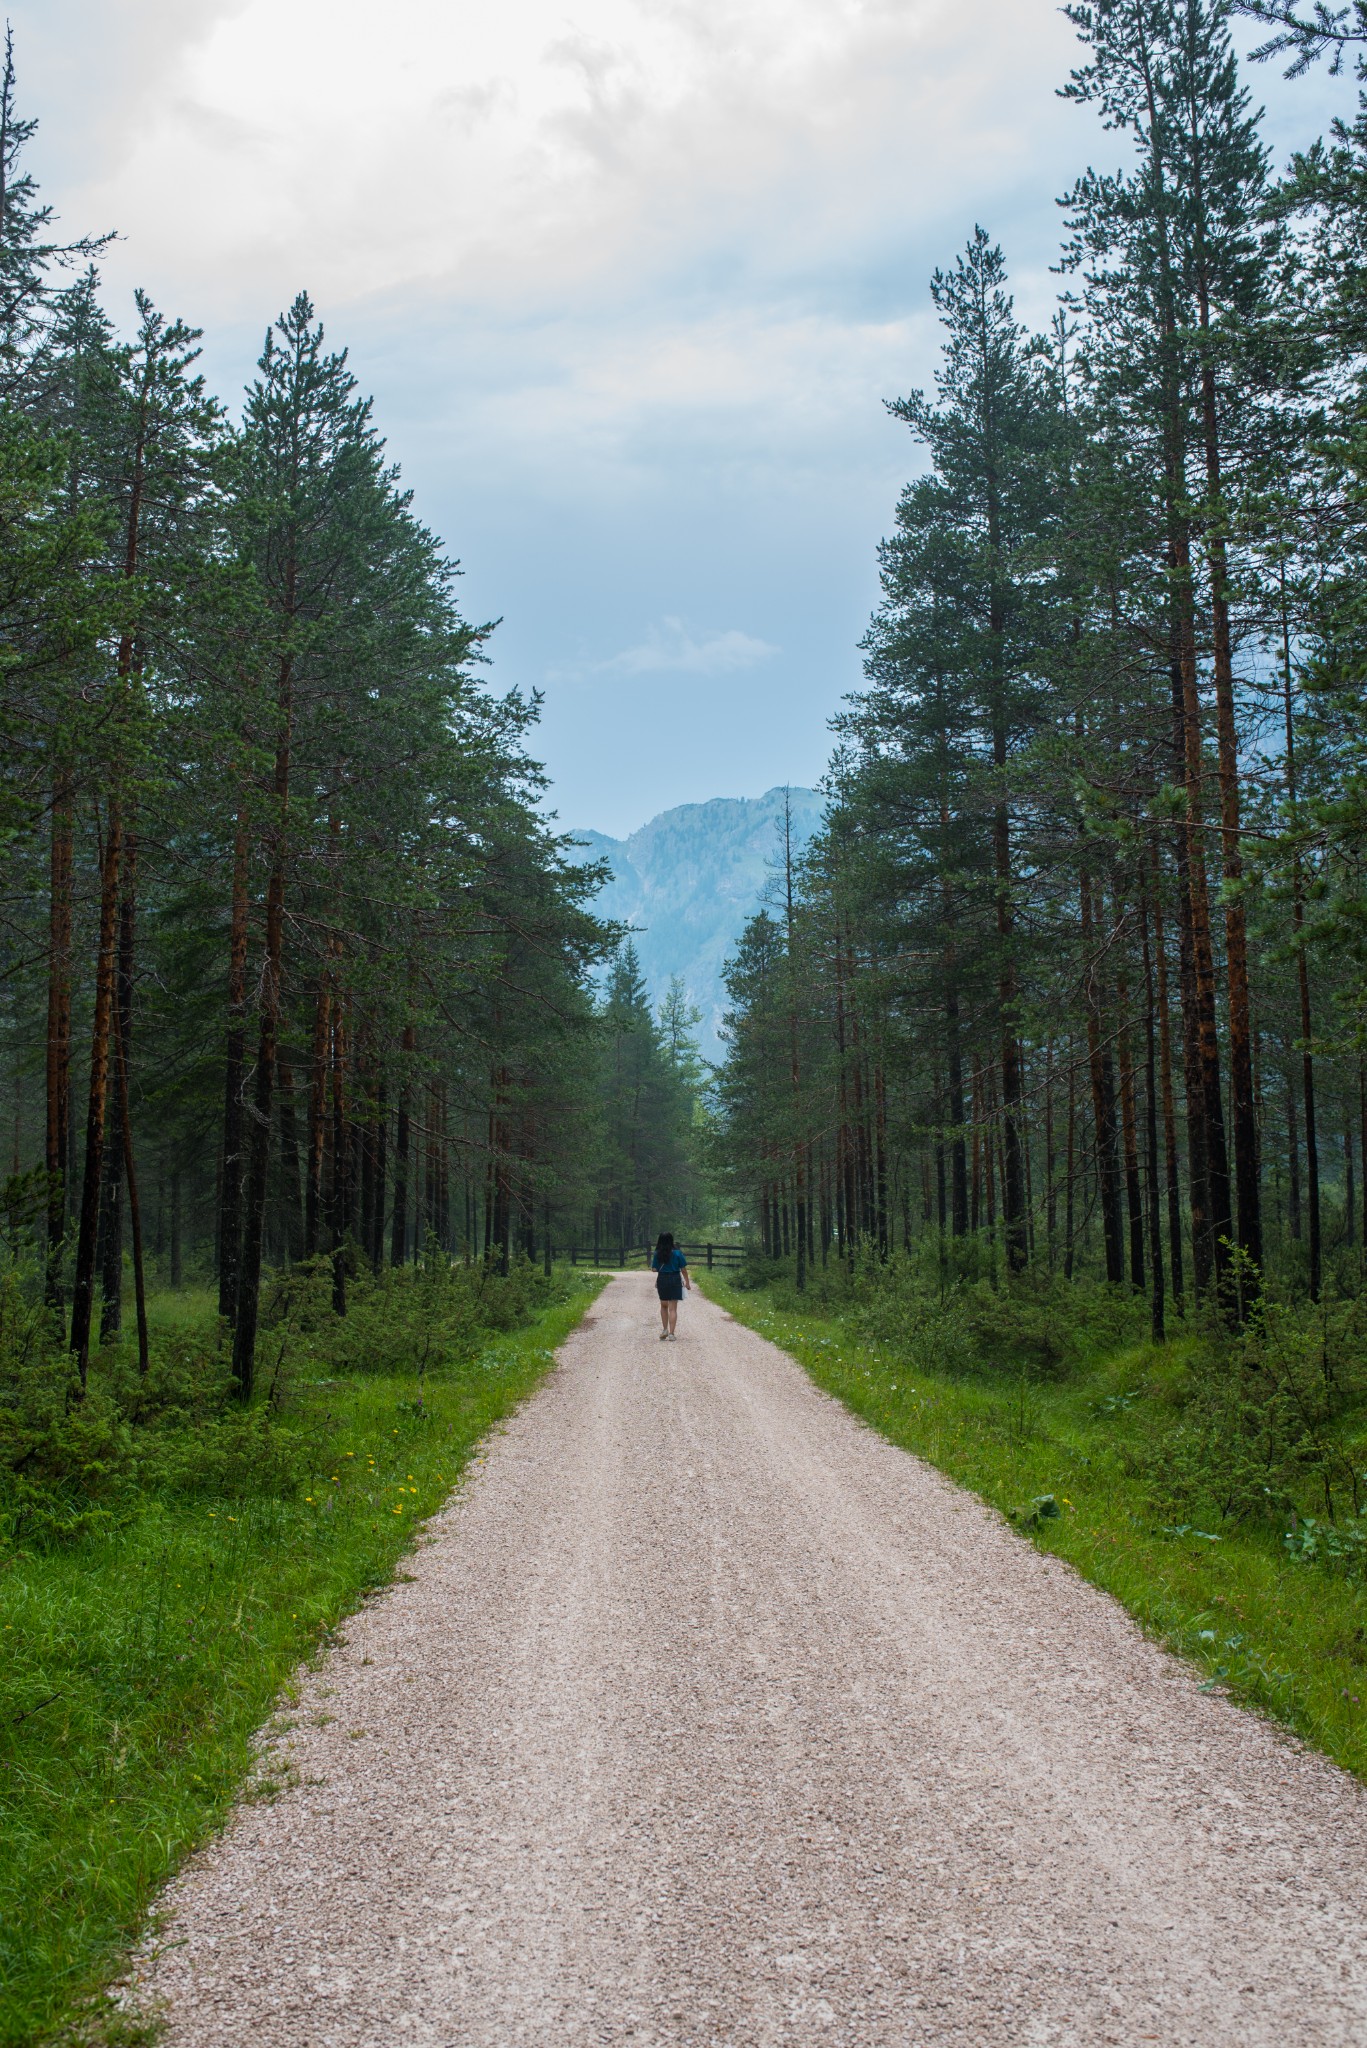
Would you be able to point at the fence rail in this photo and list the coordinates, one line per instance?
(628, 1258)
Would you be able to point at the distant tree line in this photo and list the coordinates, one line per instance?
(1074, 977)
(292, 964)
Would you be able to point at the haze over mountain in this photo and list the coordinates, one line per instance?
(688, 881)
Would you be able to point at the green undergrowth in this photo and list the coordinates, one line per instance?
(1149, 1470)
(165, 1574)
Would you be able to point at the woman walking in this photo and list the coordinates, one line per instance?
(671, 1277)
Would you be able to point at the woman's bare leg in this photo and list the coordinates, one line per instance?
(673, 1308)
(664, 1318)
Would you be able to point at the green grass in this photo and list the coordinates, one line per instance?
(137, 1663)
(1283, 1637)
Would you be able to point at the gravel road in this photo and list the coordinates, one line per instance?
(708, 1717)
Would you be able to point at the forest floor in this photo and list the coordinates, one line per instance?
(708, 1715)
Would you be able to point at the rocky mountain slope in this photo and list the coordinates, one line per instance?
(689, 880)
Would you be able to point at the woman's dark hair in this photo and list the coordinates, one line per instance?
(664, 1244)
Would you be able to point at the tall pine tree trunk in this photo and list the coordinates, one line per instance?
(1157, 1288)
(1207, 1165)
(130, 1173)
(118, 1151)
(1050, 1159)
(1171, 1168)
(110, 1253)
(106, 975)
(101, 1028)
(1312, 1143)
(1293, 1160)
(381, 1174)
(1070, 1200)
(234, 1075)
(256, 1179)
(1129, 1124)
(58, 1064)
(318, 1086)
(289, 1159)
(339, 1206)
(398, 1243)
(1244, 1114)
(1218, 1223)
(954, 1068)
(1102, 1074)
(1312, 1151)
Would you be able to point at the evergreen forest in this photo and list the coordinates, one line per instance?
(328, 1093)
(295, 970)
(319, 1064)
(1046, 1082)
(1072, 983)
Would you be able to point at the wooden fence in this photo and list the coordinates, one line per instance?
(636, 1257)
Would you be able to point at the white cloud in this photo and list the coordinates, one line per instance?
(629, 280)
(517, 157)
(670, 646)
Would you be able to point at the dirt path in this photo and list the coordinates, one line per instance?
(709, 1717)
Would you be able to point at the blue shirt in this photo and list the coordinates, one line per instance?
(673, 1262)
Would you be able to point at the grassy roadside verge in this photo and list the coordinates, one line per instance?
(137, 1661)
(1275, 1634)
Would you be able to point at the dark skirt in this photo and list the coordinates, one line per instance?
(669, 1286)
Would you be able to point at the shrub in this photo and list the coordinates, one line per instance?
(71, 1462)
(1270, 1420)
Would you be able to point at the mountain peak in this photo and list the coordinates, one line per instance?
(689, 879)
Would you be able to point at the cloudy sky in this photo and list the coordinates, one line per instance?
(630, 280)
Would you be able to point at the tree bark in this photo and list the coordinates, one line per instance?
(235, 1049)
(1071, 1155)
(380, 1170)
(398, 1243)
(317, 1134)
(1171, 1173)
(1218, 1223)
(954, 1063)
(119, 1138)
(1103, 1098)
(58, 1063)
(289, 1159)
(1244, 1115)
(110, 1252)
(340, 1203)
(1312, 1147)
(1130, 1135)
(1050, 1159)
(1157, 1289)
(83, 1283)
(102, 1027)
(1312, 1154)
(258, 1151)
(134, 1205)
